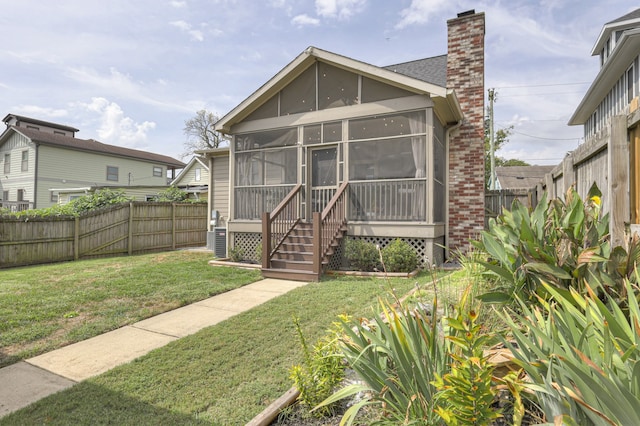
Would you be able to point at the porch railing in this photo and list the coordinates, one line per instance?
(278, 223)
(388, 200)
(327, 225)
(16, 206)
(251, 201)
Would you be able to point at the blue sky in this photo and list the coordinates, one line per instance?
(130, 72)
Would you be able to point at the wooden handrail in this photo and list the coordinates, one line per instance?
(327, 225)
(278, 223)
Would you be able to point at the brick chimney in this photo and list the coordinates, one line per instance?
(465, 75)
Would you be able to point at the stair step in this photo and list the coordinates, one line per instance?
(303, 265)
(293, 255)
(290, 274)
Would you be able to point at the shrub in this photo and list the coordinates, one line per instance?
(563, 243)
(173, 194)
(321, 371)
(582, 356)
(362, 255)
(397, 355)
(399, 257)
(236, 254)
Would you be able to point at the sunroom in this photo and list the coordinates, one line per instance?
(358, 148)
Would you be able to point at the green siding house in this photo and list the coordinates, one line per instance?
(37, 157)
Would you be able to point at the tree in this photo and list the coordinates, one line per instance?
(201, 134)
(501, 138)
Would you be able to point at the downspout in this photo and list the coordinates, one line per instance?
(447, 136)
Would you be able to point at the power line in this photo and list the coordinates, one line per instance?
(548, 139)
(538, 94)
(543, 85)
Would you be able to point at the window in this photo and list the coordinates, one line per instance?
(112, 173)
(54, 197)
(33, 127)
(25, 161)
(5, 195)
(630, 84)
(198, 174)
(157, 171)
(7, 163)
(21, 194)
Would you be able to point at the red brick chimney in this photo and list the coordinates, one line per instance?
(465, 75)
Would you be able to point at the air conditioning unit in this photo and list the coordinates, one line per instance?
(220, 242)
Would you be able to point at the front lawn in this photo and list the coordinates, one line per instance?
(45, 307)
(223, 375)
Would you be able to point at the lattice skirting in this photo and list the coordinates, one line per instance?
(248, 242)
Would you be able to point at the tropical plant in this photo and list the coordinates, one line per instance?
(563, 243)
(321, 371)
(466, 393)
(582, 355)
(399, 257)
(361, 254)
(397, 355)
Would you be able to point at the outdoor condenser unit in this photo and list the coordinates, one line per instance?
(220, 242)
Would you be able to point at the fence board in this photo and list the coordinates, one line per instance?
(134, 228)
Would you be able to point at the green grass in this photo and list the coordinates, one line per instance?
(48, 306)
(223, 375)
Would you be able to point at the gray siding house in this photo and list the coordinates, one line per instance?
(333, 147)
(38, 156)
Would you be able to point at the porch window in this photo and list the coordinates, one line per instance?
(266, 165)
(387, 167)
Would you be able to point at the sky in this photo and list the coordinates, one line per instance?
(131, 72)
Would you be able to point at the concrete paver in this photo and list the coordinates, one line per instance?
(94, 356)
(23, 384)
(26, 382)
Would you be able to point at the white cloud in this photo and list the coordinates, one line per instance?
(38, 111)
(419, 12)
(340, 9)
(178, 4)
(305, 20)
(115, 128)
(196, 35)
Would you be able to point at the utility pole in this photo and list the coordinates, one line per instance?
(492, 143)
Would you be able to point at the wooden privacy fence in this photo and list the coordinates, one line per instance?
(133, 228)
(496, 200)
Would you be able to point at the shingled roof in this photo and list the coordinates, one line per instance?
(629, 16)
(521, 177)
(90, 145)
(432, 70)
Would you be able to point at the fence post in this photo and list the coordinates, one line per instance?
(317, 242)
(618, 181)
(76, 239)
(266, 240)
(173, 226)
(130, 242)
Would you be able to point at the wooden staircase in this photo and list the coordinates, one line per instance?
(293, 259)
(296, 250)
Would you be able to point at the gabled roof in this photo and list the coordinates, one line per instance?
(40, 122)
(192, 163)
(627, 48)
(521, 177)
(630, 20)
(432, 70)
(90, 145)
(445, 99)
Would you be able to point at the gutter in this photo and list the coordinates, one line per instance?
(447, 136)
(35, 179)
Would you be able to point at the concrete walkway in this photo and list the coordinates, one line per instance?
(28, 381)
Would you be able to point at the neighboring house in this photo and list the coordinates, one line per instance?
(521, 177)
(378, 153)
(610, 154)
(194, 178)
(136, 192)
(37, 156)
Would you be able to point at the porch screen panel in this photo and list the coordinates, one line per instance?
(300, 94)
(439, 173)
(387, 167)
(265, 171)
(373, 90)
(336, 87)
